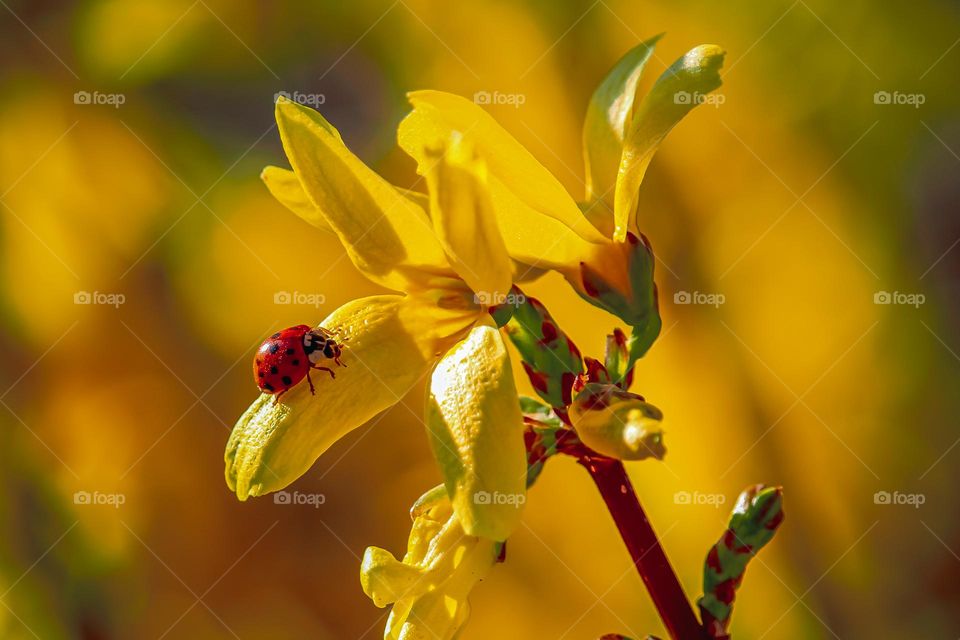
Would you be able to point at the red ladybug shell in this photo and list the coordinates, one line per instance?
(281, 361)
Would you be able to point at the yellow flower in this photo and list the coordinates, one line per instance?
(595, 244)
(429, 588)
(444, 255)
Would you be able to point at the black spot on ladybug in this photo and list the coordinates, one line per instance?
(261, 374)
(290, 352)
(274, 348)
(286, 380)
(273, 370)
(295, 362)
(267, 386)
(275, 336)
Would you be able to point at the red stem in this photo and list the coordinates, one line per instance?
(611, 479)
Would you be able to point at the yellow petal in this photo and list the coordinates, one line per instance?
(436, 114)
(463, 218)
(385, 579)
(390, 343)
(532, 238)
(286, 188)
(387, 235)
(476, 430)
(608, 114)
(284, 185)
(674, 94)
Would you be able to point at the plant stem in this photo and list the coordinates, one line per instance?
(648, 556)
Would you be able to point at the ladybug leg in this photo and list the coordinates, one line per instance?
(312, 390)
(339, 363)
(327, 369)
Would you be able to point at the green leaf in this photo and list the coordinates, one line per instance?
(672, 97)
(607, 116)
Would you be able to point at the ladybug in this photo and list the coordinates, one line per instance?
(287, 356)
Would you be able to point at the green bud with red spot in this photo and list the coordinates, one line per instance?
(753, 523)
(551, 360)
(617, 359)
(542, 428)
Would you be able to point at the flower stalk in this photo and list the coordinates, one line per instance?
(611, 480)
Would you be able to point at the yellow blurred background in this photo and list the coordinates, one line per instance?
(131, 139)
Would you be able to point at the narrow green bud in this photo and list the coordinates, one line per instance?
(551, 360)
(753, 523)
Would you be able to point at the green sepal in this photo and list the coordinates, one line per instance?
(551, 360)
(542, 426)
(634, 299)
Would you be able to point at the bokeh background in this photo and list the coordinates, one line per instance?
(797, 200)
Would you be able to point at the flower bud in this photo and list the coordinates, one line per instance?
(755, 519)
(618, 278)
(550, 358)
(617, 423)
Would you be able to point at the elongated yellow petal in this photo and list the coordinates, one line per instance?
(464, 221)
(610, 109)
(436, 114)
(534, 239)
(681, 87)
(390, 342)
(386, 235)
(285, 186)
(476, 430)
